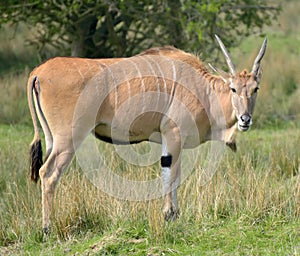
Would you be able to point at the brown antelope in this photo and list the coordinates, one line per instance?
(162, 95)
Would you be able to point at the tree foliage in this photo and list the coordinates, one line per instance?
(108, 28)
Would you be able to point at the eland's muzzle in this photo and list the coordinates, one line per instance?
(244, 123)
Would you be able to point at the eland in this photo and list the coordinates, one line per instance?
(163, 95)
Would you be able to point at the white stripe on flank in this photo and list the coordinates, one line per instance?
(173, 88)
(161, 75)
(142, 83)
(174, 72)
(114, 84)
(174, 82)
(153, 73)
(128, 90)
(79, 72)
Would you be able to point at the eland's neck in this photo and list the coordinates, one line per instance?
(226, 119)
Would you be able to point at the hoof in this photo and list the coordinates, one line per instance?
(46, 232)
(171, 214)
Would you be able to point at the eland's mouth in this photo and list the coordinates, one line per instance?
(243, 127)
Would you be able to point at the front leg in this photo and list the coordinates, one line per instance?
(170, 163)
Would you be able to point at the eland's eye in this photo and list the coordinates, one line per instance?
(233, 89)
(256, 89)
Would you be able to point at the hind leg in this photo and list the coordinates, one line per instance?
(64, 147)
(50, 172)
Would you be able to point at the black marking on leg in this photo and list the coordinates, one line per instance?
(166, 161)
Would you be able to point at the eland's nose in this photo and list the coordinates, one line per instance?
(246, 119)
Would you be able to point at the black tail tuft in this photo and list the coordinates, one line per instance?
(36, 159)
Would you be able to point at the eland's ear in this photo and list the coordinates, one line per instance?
(225, 76)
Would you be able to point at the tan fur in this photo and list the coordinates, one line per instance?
(68, 93)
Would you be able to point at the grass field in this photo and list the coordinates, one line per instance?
(250, 207)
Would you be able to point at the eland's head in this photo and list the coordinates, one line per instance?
(243, 85)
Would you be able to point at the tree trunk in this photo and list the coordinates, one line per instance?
(82, 42)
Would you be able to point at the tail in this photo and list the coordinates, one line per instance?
(36, 159)
(36, 153)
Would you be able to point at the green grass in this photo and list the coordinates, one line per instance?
(250, 207)
(218, 238)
